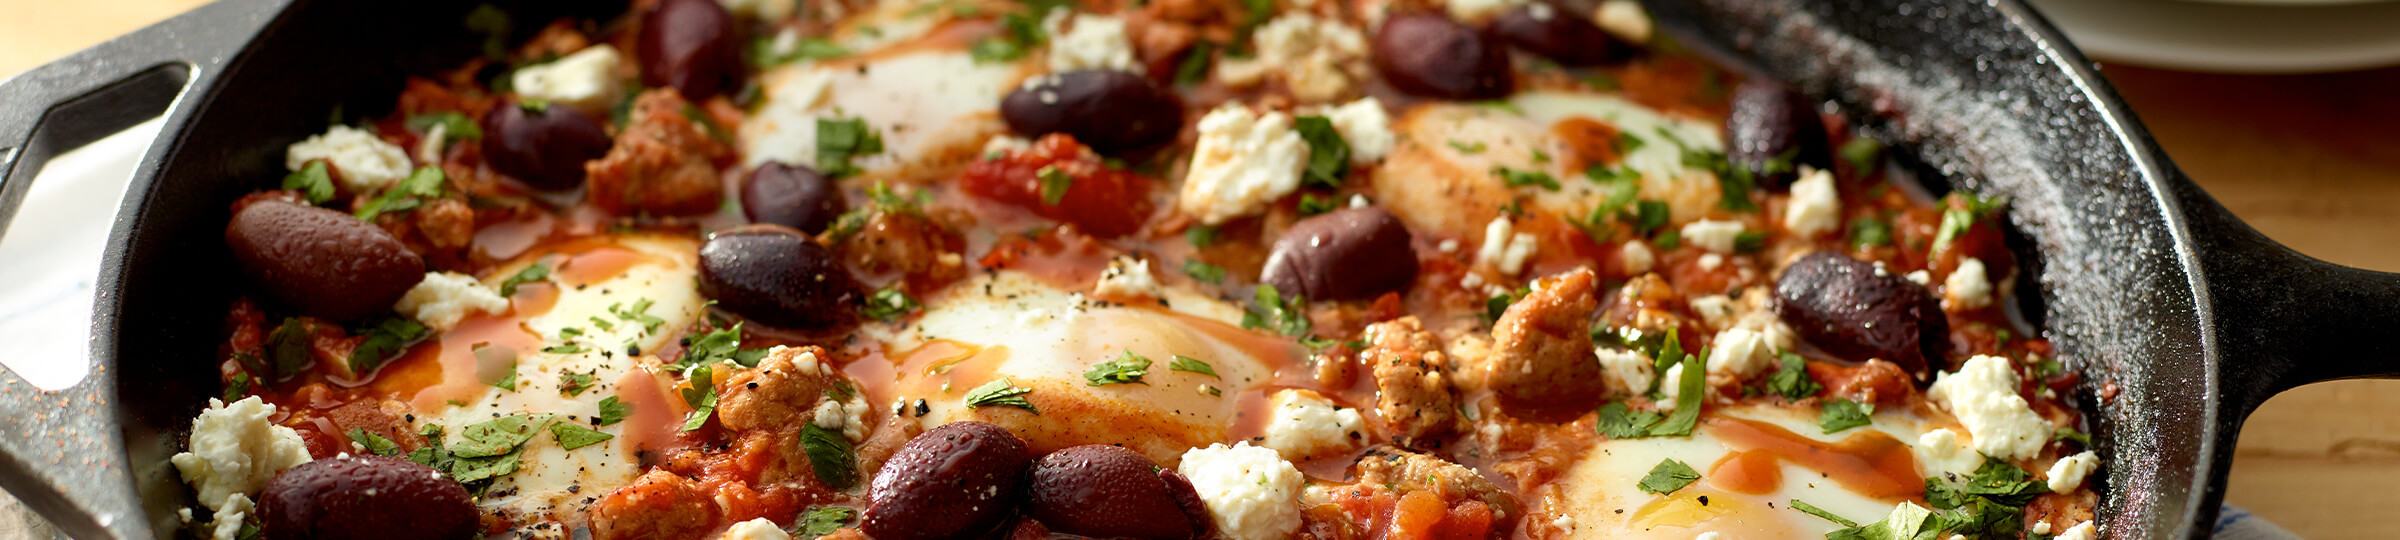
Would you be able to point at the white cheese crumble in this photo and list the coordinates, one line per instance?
(586, 80)
(1243, 162)
(1636, 258)
(362, 162)
(2067, 473)
(1315, 56)
(1504, 249)
(1941, 451)
(1712, 235)
(1128, 277)
(1625, 18)
(1816, 208)
(1983, 395)
(1476, 11)
(429, 147)
(1739, 352)
(1710, 535)
(1092, 42)
(1919, 277)
(445, 298)
(2081, 531)
(2041, 527)
(1670, 385)
(1251, 492)
(235, 450)
(846, 416)
(1004, 145)
(1365, 127)
(226, 522)
(755, 529)
(1717, 310)
(1306, 425)
(1967, 287)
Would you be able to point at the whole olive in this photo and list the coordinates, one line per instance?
(1106, 491)
(1769, 123)
(958, 480)
(1428, 54)
(1346, 254)
(691, 45)
(365, 497)
(1111, 111)
(776, 276)
(543, 146)
(323, 263)
(1857, 310)
(1554, 33)
(792, 196)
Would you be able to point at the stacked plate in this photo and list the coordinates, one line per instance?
(2241, 36)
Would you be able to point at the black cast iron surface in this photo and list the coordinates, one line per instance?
(2184, 316)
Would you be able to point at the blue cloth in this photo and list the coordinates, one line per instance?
(2234, 523)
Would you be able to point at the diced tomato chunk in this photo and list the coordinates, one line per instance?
(1104, 201)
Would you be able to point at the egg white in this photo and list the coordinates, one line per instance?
(1440, 179)
(934, 107)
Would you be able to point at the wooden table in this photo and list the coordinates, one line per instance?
(2312, 160)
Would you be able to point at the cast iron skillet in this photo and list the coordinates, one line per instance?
(2182, 316)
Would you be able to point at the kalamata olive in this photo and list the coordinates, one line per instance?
(776, 276)
(1770, 121)
(1857, 310)
(1346, 254)
(958, 480)
(690, 45)
(1428, 54)
(365, 497)
(321, 262)
(1111, 111)
(1104, 491)
(543, 146)
(792, 196)
(1557, 34)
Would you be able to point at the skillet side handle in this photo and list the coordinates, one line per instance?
(63, 452)
(2283, 319)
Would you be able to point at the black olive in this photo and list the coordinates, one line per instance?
(1857, 310)
(321, 262)
(958, 480)
(365, 497)
(1347, 254)
(776, 276)
(1108, 110)
(1545, 29)
(1772, 124)
(792, 196)
(1104, 491)
(691, 45)
(543, 146)
(1429, 54)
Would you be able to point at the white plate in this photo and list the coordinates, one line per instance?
(2244, 37)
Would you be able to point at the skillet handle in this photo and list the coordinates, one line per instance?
(62, 452)
(2282, 319)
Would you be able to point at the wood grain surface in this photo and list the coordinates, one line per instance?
(2312, 160)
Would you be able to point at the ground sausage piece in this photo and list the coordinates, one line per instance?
(1542, 366)
(1412, 388)
(663, 163)
(778, 393)
(1406, 471)
(659, 504)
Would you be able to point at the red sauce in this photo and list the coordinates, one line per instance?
(1869, 463)
(1099, 199)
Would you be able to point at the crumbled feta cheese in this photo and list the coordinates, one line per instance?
(429, 147)
(764, 10)
(1983, 395)
(1712, 235)
(1816, 208)
(1448, 245)
(1715, 309)
(1127, 277)
(1360, 201)
(1251, 492)
(235, 450)
(1092, 42)
(444, 298)
(755, 529)
(1739, 352)
(2081, 531)
(1941, 451)
(1670, 385)
(226, 522)
(362, 162)
(1317, 57)
(1919, 277)
(1504, 249)
(2041, 527)
(1626, 371)
(586, 80)
(1243, 162)
(1710, 261)
(847, 416)
(1710, 535)
(1967, 287)
(1625, 18)
(1004, 145)
(1307, 425)
(2067, 473)
(1636, 258)
(1365, 127)
(1476, 11)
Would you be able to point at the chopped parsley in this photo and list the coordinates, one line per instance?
(238, 387)
(1518, 178)
(1842, 414)
(1668, 239)
(1867, 232)
(1328, 154)
(639, 313)
(1194, 365)
(375, 444)
(2070, 434)
(839, 140)
(1200, 236)
(1054, 184)
(495, 437)
(1954, 222)
(1749, 242)
(722, 345)
(312, 181)
(384, 341)
(764, 55)
(1792, 381)
(507, 382)
(890, 304)
(1620, 422)
(455, 125)
(1811, 509)
(1497, 305)
(571, 436)
(1862, 153)
(573, 384)
(536, 272)
(701, 396)
(1906, 522)
(1311, 204)
(1206, 273)
(823, 520)
(410, 193)
(1476, 147)
(1194, 68)
(836, 463)
(1000, 393)
(1273, 311)
(1688, 394)
(1019, 33)
(612, 411)
(1129, 367)
(1670, 475)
